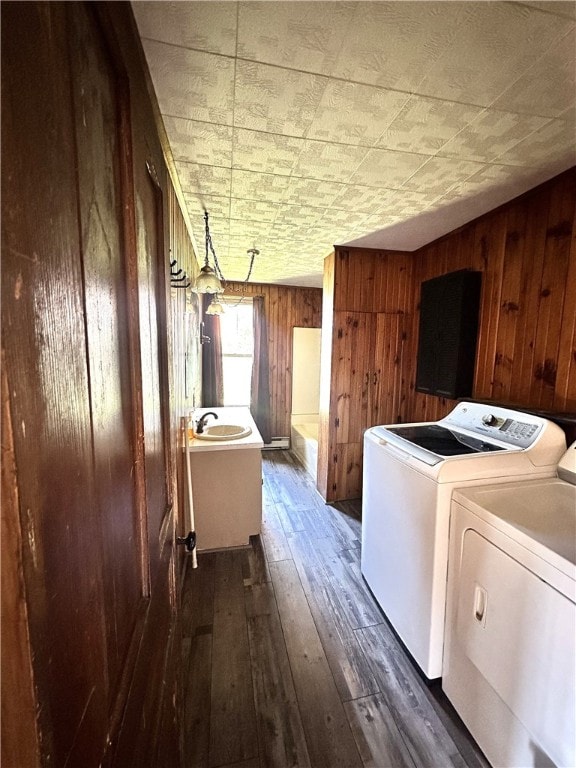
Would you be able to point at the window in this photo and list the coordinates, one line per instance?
(237, 350)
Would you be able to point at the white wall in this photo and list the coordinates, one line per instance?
(305, 370)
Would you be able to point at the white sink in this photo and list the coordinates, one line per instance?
(224, 432)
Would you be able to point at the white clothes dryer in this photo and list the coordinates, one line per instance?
(510, 651)
(410, 472)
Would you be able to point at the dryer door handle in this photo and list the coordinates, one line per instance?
(480, 602)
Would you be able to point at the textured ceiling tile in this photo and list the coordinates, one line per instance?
(275, 100)
(220, 237)
(425, 125)
(298, 234)
(556, 141)
(197, 142)
(341, 223)
(249, 233)
(377, 221)
(484, 180)
(312, 192)
(441, 173)
(330, 162)
(446, 58)
(548, 87)
(218, 207)
(297, 216)
(297, 35)
(204, 179)
(253, 210)
(481, 62)
(218, 227)
(403, 202)
(200, 25)
(265, 152)
(393, 44)
(350, 113)
(383, 168)
(491, 135)
(258, 186)
(191, 84)
(353, 197)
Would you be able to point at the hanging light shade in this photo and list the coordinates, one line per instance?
(208, 281)
(215, 307)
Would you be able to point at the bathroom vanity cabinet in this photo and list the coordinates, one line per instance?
(227, 483)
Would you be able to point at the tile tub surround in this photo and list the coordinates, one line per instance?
(304, 443)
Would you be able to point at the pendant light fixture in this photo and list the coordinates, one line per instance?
(212, 280)
(215, 307)
(208, 280)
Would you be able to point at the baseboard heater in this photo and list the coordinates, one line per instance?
(277, 442)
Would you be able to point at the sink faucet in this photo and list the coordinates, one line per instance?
(202, 421)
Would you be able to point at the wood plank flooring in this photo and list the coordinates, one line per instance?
(288, 659)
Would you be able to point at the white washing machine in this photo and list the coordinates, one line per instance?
(410, 472)
(509, 657)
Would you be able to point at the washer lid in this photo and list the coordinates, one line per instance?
(443, 441)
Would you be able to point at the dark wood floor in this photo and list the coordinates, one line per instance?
(289, 659)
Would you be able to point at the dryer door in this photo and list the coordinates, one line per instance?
(518, 632)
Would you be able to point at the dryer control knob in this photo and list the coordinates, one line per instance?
(490, 420)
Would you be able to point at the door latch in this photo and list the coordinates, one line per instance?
(188, 541)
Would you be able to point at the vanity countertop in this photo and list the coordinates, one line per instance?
(227, 415)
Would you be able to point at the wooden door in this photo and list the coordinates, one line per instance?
(86, 459)
(388, 388)
(350, 401)
(353, 350)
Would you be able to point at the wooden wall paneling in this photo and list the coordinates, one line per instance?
(537, 216)
(510, 302)
(341, 383)
(43, 338)
(348, 476)
(553, 288)
(20, 744)
(184, 354)
(341, 278)
(490, 240)
(66, 308)
(286, 306)
(565, 391)
(97, 129)
(388, 375)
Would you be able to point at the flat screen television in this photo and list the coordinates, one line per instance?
(448, 333)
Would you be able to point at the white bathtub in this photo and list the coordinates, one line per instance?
(304, 441)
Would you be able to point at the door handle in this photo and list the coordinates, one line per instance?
(188, 541)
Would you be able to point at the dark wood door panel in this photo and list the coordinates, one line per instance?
(91, 465)
(97, 117)
(43, 336)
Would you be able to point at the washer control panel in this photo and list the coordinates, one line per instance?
(515, 429)
(518, 430)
